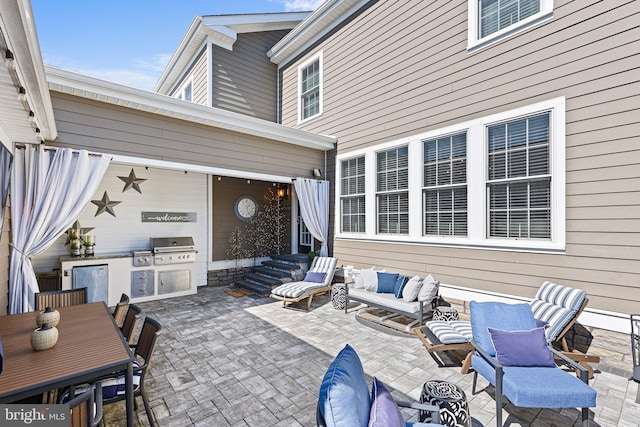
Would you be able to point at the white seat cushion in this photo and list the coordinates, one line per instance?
(386, 300)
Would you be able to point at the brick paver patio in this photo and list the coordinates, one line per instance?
(225, 361)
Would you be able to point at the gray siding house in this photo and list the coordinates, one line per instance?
(494, 148)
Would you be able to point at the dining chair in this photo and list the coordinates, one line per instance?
(86, 408)
(113, 390)
(130, 323)
(57, 299)
(120, 311)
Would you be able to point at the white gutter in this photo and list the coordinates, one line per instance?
(64, 81)
(186, 41)
(320, 22)
(17, 20)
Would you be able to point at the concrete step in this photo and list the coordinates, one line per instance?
(292, 258)
(256, 288)
(279, 265)
(263, 280)
(266, 271)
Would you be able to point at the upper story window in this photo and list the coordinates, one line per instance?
(352, 195)
(392, 191)
(492, 20)
(185, 92)
(445, 186)
(310, 88)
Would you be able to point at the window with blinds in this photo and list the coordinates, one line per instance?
(392, 191)
(310, 89)
(445, 186)
(352, 192)
(519, 178)
(496, 15)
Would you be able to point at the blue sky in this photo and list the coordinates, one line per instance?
(129, 41)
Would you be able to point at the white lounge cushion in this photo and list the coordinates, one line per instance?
(386, 300)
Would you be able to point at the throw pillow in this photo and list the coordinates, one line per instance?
(384, 410)
(429, 289)
(386, 282)
(522, 348)
(314, 276)
(411, 289)
(370, 277)
(399, 286)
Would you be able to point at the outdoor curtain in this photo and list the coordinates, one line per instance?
(313, 196)
(5, 173)
(49, 190)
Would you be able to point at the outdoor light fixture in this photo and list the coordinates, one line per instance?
(281, 192)
(317, 173)
(9, 60)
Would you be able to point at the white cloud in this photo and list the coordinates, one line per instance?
(295, 5)
(143, 73)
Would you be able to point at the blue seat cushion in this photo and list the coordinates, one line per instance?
(344, 395)
(498, 315)
(539, 387)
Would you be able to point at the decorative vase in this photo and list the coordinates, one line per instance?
(44, 337)
(50, 316)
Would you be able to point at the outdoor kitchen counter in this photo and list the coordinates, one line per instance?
(123, 274)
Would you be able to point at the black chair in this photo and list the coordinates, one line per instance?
(113, 390)
(57, 299)
(120, 311)
(130, 323)
(86, 408)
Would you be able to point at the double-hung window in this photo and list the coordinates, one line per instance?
(445, 186)
(493, 19)
(519, 178)
(310, 89)
(392, 190)
(352, 196)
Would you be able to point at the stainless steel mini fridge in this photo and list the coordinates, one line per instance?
(93, 277)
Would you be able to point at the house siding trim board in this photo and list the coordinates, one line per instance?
(78, 85)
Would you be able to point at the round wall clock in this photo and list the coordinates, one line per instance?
(246, 208)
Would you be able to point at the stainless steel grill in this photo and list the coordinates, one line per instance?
(173, 250)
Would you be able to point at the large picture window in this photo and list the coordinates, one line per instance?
(445, 186)
(310, 89)
(392, 191)
(352, 196)
(495, 181)
(519, 184)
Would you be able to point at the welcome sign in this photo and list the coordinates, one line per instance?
(169, 217)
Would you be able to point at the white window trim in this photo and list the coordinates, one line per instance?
(180, 92)
(474, 42)
(340, 196)
(305, 64)
(476, 185)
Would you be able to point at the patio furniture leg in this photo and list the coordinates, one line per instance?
(475, 381)
(309, 303)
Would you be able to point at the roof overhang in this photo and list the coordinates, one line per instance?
(320, 22)
(219, 30)
(75, 84)
(18, 35)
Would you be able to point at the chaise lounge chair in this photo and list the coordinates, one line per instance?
(515, 357)
(555, 305)
(318, 280)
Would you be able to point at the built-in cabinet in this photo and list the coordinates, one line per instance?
(140, 283)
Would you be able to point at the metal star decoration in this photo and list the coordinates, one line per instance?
(76, 226)
(132, 181)
(105, 205)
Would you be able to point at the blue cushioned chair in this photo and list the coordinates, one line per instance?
(528, 386)
(344, 395)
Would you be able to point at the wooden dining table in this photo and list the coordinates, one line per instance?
(90, 345)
